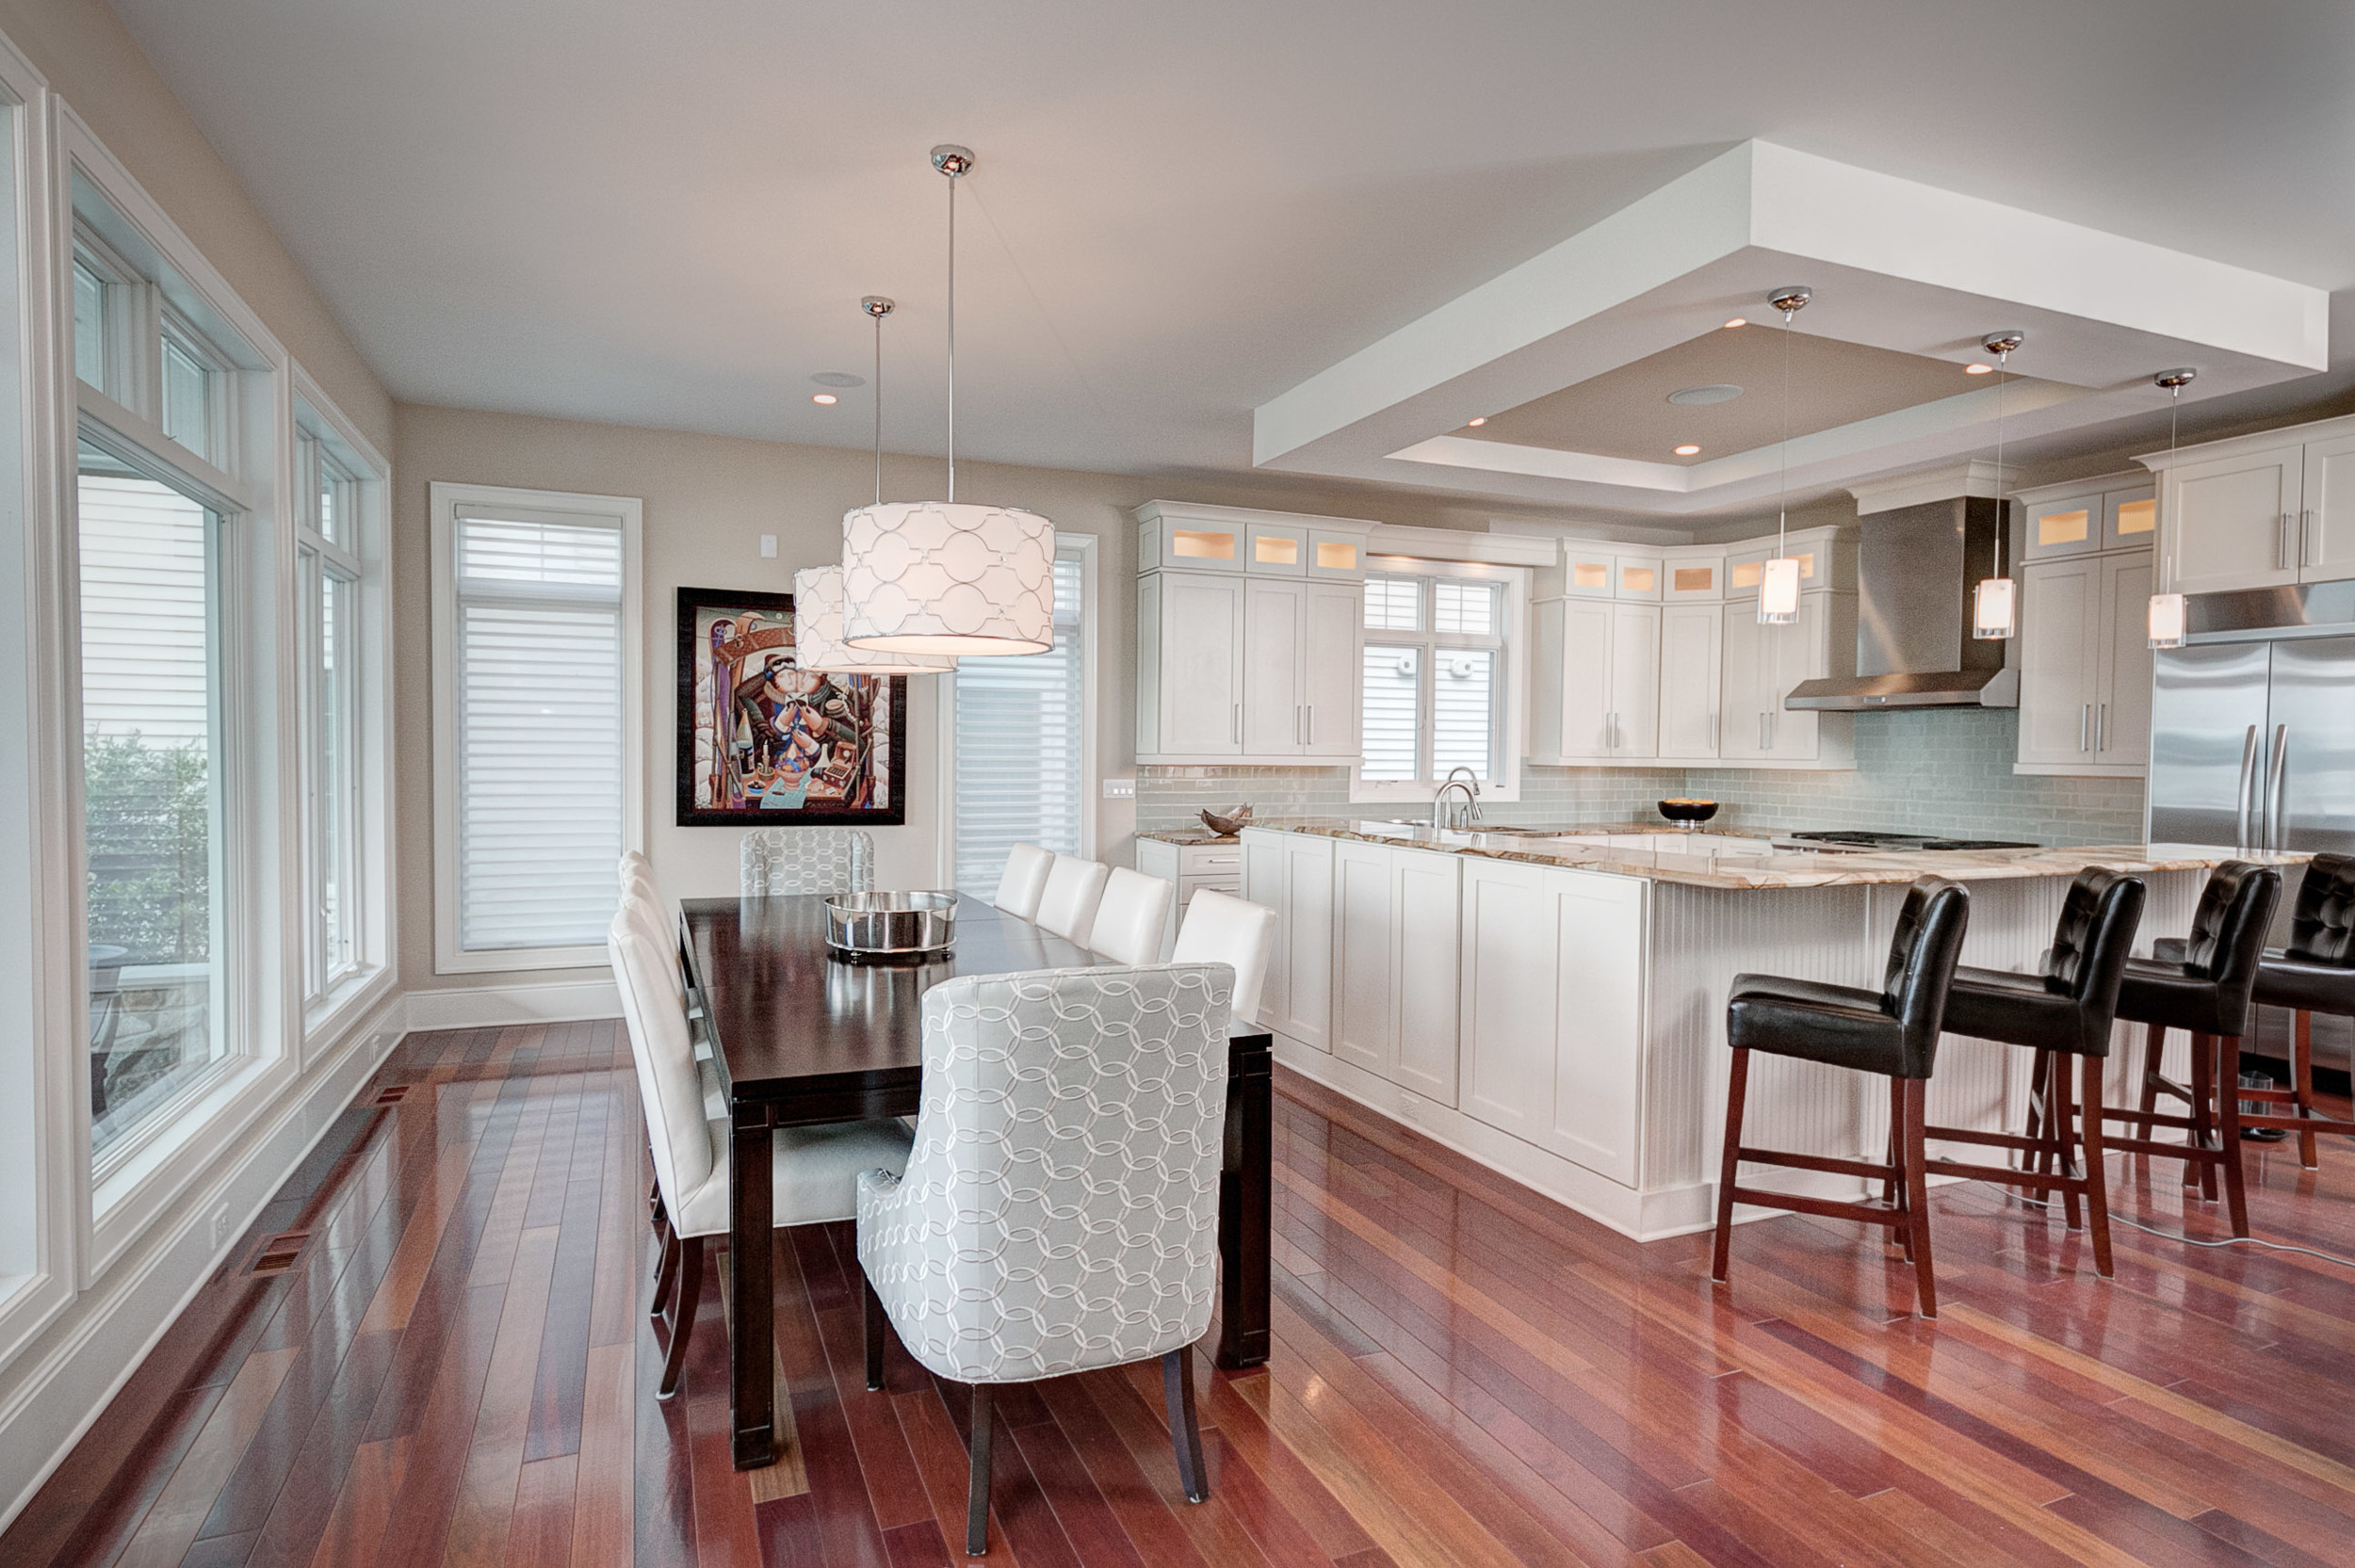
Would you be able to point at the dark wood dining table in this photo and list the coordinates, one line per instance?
(800, 1036)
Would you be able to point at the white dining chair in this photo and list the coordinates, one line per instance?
(1059, 1210)
(1024, 881)
(1220, 928)
(1068, 907)
(806, 860)
(1131, 916)
(815, 1168)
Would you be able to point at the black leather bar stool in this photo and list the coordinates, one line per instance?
(2066, 1010)
(1892, 1031)
(2315, 973)
(2201, 984)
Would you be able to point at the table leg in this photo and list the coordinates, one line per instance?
(1246, 1199)
(752, 1295)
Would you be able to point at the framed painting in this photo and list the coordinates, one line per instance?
(763, 742)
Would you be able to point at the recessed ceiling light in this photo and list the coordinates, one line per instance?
(1688, 450)
(1978, 369)
(1738, 321)
(838, 378)
(1477, 419)
(1701, 396)
(823, 397)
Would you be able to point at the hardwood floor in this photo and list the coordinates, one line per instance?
(456, 1368)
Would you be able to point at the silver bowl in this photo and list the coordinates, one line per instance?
(891, 924)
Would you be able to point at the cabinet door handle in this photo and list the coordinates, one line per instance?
(1234, 723)
(1716, 725)
(2306, 538)
(1761, 729)
(2101, 727)
(2281, 559)
(1307, 723)
(2084, 717)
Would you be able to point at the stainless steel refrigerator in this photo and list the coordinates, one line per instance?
(2252, 736)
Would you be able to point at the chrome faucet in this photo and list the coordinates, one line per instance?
(1463, 813)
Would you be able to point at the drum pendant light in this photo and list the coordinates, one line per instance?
(2168, 618)
(1991, 603)
(817, 592)
(949, 577)
(1779, 581)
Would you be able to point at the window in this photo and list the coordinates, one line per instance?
(1433, 684)
(332, 823)
(90, 323)
(1021, 745)
(151, 751)
(537, 714)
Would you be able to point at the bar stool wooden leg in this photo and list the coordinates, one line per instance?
(1900, 1229)
(1737, 1090)
(2202, 1116)
(2060, 1122)
(2302, 1084)
(1917, 1199)
(2095, 1168)
(2227, 1077)
(2153, 1057)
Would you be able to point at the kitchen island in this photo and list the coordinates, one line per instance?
(1553, 1005)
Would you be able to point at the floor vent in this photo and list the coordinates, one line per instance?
(392, 1095)
(278, 1253)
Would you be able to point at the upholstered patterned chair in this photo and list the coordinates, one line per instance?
(1060, 1208)
(807, 860)
(816, 1169)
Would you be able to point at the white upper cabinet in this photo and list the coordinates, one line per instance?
(1691, 579)
(1597, 676)
(1249, 632)
(1762, 664)
(1691, 673)
(2327, 531)
(2088, 567)
(2235, 520)
(2059, 659)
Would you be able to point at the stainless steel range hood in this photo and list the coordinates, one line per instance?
(1916, 567)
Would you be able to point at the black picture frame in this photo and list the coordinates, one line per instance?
(735, 747)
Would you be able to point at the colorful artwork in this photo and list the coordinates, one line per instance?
(762, 740)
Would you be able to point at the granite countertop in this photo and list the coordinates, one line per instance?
(1693, 861)
(1188, 836)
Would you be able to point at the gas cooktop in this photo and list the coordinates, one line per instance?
(1859, 840)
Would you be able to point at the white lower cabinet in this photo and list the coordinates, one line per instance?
(1551, 983)
(1293, 874)
(1394, 978)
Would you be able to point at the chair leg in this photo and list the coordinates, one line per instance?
(2203, 1130)
(2153, 1057)
(1892, 1189)
(872, 1333)
(976, 1478)
(2096, 1167)
(2040, 1098)
(665, 1267)
(2227, 1077)
(1737, 1090)
(2302, 1083)
(689, 1297)
(2060, 1128)
(1917, 1198)
(1185, 1433)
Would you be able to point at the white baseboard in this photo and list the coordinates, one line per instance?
(483, 1007)
(116, 1323)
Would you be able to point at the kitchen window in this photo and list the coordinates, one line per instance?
(1021, 737)
(1437, 683)
(329, 574)
(535, 712)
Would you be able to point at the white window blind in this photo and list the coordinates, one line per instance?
(1463, 711)
(1021, 738)
(540, 745)
(1432, 697)
(1392, 711)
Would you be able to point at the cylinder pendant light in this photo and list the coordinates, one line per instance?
(2168, 616)
(949, 577)
(817, 598)
(1779, 581)
(1994, 602)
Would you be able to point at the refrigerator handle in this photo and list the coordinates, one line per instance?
(2244, 801)
(2276, 775)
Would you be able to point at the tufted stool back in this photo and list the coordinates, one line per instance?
(2322, 927)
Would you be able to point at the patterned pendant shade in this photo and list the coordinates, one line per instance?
(818, 633)
(947, 577)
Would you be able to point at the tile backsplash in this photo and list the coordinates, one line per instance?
(1946, 772)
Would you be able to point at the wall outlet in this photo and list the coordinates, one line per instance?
(769, 546)
(219, 1226)
(1120, 789)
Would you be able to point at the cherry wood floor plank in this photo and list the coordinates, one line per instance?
(605, 1485)
(541, 1535)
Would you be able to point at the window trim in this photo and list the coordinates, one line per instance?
(1086, 547)
(1513, 660)
(445, 498)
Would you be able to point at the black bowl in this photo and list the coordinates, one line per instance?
(1688, 811)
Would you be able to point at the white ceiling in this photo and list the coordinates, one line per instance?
(665, 215)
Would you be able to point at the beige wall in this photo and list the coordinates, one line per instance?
(92, 62)
(707, 501)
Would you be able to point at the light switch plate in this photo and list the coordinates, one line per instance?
(1120, 789)
(769, 546)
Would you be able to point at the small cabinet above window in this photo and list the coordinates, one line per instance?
(2111, 512)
